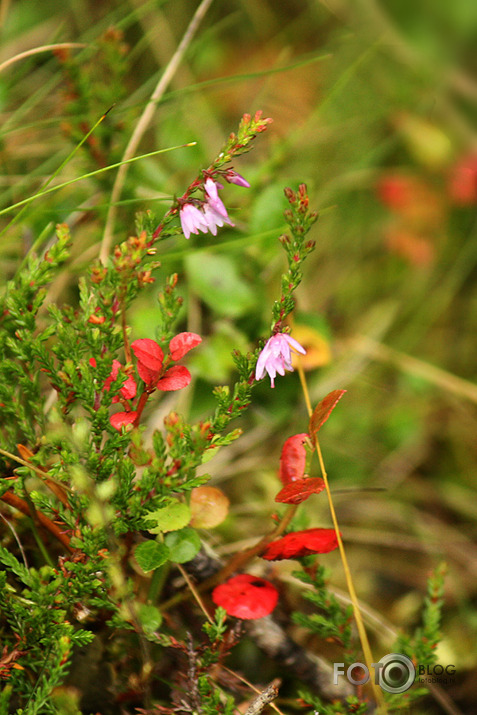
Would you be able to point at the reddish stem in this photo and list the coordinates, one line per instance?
(20, 504)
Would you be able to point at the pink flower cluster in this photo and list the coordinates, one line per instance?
(211, 213)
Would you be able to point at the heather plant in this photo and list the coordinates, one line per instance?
(125, 583)
(107, 544)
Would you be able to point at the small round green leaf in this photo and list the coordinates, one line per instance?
(149, 617)
(183, 545)
(170, 518)
(150, 555)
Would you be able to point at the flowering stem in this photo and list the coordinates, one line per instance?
(368, 657)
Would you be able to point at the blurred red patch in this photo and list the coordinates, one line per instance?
(246, 596)
(463, 181)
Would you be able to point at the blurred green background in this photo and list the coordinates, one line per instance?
(374, 107)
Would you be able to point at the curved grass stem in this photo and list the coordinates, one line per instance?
(368, 657)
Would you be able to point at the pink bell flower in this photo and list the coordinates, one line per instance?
(234, 177)
(276, 356)
(192, 219)
(213, 200)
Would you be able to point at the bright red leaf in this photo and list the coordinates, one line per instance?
(293, 458)
(301, 543)
(128, 389)
(324, 409)
(246, 596)
(299, 490)
(182, 343)
(149, 353)
(150, 377)
(175, 378)
(122, 419)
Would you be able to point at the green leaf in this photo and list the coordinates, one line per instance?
(183, 545)
(216, 280)
(150, 555)
(170, 518)
(149, 617)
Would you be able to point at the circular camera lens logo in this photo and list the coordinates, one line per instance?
(397, 673)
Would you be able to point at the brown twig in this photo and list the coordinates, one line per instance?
(264, 698)
(18, 503)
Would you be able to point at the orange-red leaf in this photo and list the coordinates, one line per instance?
(301, 543)
(149, 353)
(299, 490)
(182, 343)
(323, 410)
(175, 378)
(122, 419)
(246, 596)
(293, 458)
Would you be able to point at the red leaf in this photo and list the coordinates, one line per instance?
(299, 490)
(129, 388)
(175, 378)
(301, 543)
(149, 376)
(323, 410)
(182, 343)
(112, 375)
(245, 596)
(293, 458)
(122, 419)
(148, 353)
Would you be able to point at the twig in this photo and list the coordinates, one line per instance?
(20, 504)
(144, 122)
(264, 698)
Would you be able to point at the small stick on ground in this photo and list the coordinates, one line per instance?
(264, 698)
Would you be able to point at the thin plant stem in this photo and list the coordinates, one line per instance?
(55, 173)
(38, 50)
(144, 122)
(368, 657)
(195, 593)
(88, 175)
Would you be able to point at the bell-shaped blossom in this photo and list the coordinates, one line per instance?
(214, 219)
(276, 356)
(234, 178)
(213, 200)
(192, 220)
